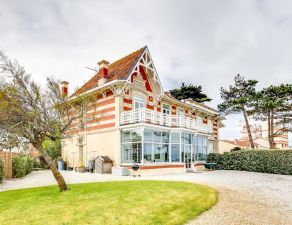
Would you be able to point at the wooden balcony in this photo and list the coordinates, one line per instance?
(158, 118)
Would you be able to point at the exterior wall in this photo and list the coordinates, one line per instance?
(156, 170)
(102, 143)
(98, 132)
(100, 115)
(225, 146)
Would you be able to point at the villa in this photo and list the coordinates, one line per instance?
(135, 121)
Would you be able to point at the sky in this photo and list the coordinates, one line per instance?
(203, 42)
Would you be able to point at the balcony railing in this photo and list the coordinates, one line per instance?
(153, 117)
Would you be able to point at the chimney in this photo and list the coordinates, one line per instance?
(64, 88)
(103, 68)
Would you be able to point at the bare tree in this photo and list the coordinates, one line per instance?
(32, 113)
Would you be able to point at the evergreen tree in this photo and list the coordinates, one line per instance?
(237, 99)
(190, 91)
(274, 105)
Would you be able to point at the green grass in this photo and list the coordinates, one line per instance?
(125, 202)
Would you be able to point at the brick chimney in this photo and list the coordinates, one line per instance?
(103, 68)
(64, 88)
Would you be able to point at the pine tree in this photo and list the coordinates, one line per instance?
(274, 105)
(237, 98)
(190, 91)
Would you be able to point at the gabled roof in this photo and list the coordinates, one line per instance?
(118, 70)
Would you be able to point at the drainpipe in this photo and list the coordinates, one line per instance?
(85, 137)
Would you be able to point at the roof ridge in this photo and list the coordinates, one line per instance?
(132, 53)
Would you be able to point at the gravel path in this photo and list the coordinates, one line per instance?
(244, 197)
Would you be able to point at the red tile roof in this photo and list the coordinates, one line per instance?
(119, 69)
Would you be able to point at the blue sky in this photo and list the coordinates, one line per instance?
(201, 42)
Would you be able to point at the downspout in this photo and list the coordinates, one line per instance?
(85, 137)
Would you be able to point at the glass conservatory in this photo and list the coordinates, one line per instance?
(148, 145)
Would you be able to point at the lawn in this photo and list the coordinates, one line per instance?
(125, 202)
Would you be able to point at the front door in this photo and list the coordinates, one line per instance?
(188, 156)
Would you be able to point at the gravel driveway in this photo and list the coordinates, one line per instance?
(244, 197)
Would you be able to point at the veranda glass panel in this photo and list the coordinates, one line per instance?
(157, 152)
(148, 154)
(136, 135)
(175, 137)
(126, 136)
(165, 137)
(187, 138)
(175, 153)
(195, 148)
(157, 136)
(202, 147)
(137, 152)
(126, 153)
(148, 135)
(164, 153)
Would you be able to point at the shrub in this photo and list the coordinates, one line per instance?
(53, 148)
(29, 164)
(265, 161)
(21, 165)
(1, 171)
(235, 149)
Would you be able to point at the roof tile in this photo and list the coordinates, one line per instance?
(119, 69)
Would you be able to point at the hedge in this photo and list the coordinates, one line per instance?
(264, 161)
(1, 171)
(21, 165)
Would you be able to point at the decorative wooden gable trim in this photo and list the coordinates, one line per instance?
(145, 67)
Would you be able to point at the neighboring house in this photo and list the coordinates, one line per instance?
(227, 145)
(259, 133)
(135, 121)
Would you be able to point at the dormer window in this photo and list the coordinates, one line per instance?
(139, 102)
(166, 109)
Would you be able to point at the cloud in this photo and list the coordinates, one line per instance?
(203, 42)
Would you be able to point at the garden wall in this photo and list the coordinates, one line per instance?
(265, 161)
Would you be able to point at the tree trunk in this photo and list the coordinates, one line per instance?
(248, 129)
(272, 144)
(57, 175)
(269, 128)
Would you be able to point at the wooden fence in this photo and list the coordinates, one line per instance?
(6, 157)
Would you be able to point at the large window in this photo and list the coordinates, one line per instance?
(155, 146)
(202, 148)
(132, 146)
(175, 146)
